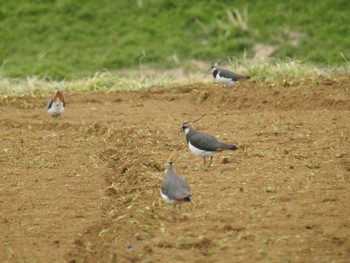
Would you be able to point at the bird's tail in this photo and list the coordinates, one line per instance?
(229, 147)
(243, 77)
(187, 199)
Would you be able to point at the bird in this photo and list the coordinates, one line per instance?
(56, 104)
(175, 189)
(202, 144)
(225, 76)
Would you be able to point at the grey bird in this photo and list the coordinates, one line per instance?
(203, 144)
(225, 76)
(175, 190)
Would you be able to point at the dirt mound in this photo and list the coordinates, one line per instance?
(85, 186)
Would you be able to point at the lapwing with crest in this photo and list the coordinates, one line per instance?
(203, 144)
(55, 106)
(225, 76)
(175, 189)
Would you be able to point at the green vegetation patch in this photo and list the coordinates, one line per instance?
(71, 39)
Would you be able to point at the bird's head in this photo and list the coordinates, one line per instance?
(213, 66)
(186, 127)
(169, 166)
(58, 98)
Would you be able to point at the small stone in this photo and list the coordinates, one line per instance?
(128, 245)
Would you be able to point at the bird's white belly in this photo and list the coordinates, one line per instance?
(166, 198)
(199, 152)
(224, 80)
(55, 109)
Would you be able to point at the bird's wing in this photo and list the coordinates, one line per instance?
(176, 188)
(49, 104)
(229, 74)
(181, 190)
(204, 141)
(164, 188)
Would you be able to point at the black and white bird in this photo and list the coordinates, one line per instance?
(225, 76)
(175, 190)
(55, 106)
(202, 144)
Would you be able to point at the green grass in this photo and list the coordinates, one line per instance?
(67, 39)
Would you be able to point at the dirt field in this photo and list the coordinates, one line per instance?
(85, 187)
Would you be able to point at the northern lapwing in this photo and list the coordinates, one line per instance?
(225, 76)
(56, 104)
(202, 144)
(175, 190)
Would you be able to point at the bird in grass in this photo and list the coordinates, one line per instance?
(202, 144)
(55, 106)
(225, 76)
(175, 190)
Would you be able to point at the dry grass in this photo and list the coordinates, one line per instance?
(192, 72)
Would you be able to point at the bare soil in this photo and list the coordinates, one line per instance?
(85, 187)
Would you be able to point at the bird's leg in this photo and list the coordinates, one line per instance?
(179, 210)
(204, 161)
(210, 160)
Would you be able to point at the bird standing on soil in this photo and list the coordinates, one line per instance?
(203, 144)
(175, 190)
(55, 106)
(225, 76)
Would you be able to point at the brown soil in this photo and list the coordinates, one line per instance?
(85, 187)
